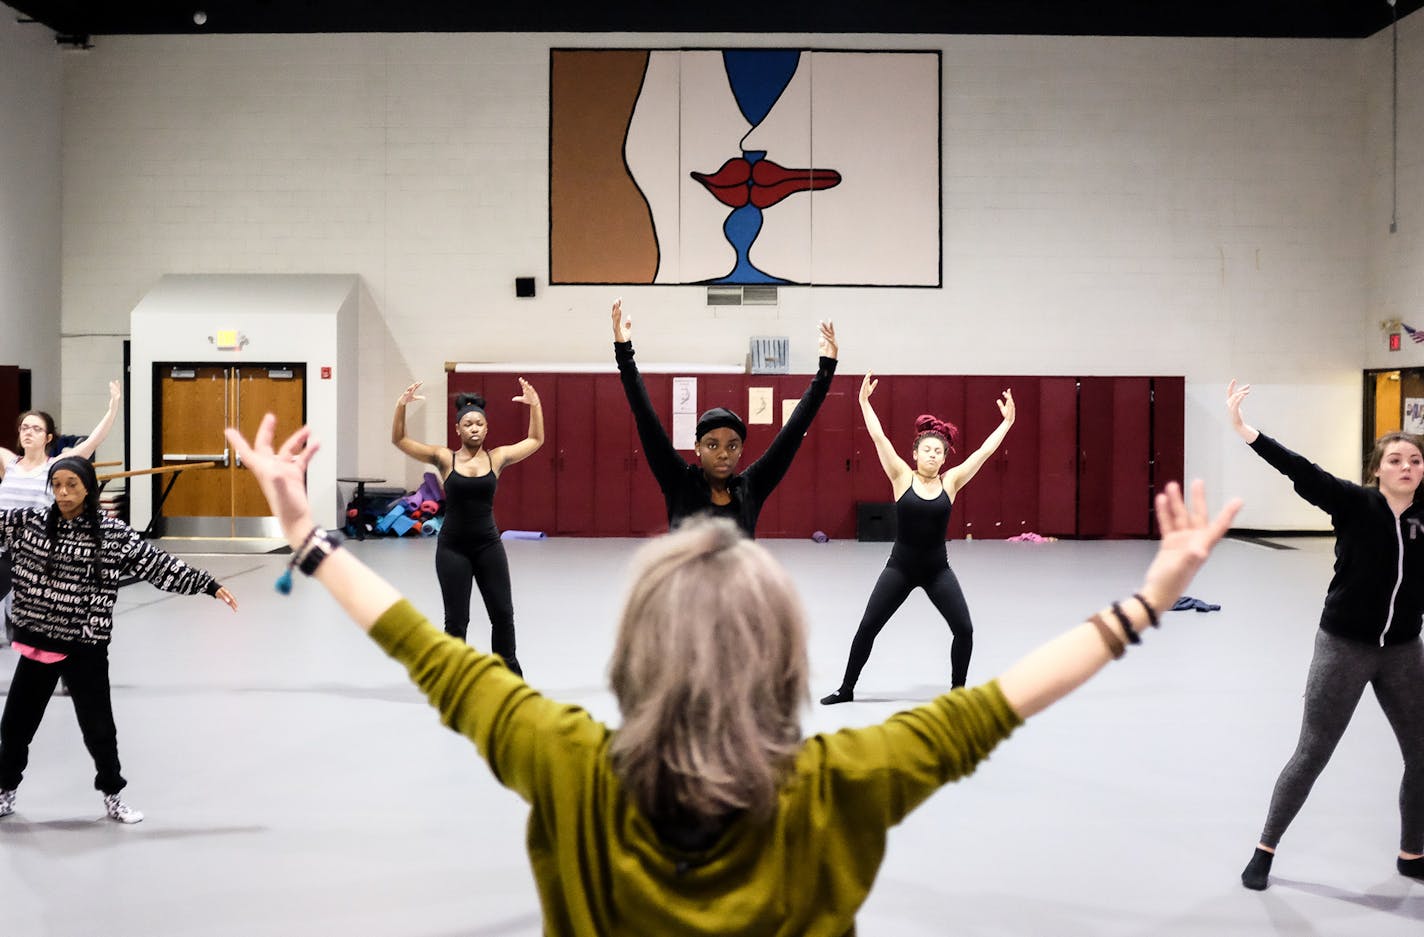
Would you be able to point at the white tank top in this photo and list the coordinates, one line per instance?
(25, 488)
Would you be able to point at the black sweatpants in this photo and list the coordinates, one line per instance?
(87, 675)
(891, 589)
(457, 565)
(1339, 672)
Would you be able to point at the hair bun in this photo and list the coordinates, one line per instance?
(470, 400)
(929, 423)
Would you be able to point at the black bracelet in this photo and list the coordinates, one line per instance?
(1132, 636)
(1115, 646)
(1151, 612)
(321, 544)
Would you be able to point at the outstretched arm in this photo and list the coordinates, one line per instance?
(281, 473)
(1062, 665)
(513, 727)
(663, 459)
(959, 476)
(1312, 482)
(518, 452)
(421, 452)
(90, 445)
(896, 468)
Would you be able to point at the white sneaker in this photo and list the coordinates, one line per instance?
(118, 810)
(7, 803)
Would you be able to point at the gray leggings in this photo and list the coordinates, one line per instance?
(1338, 674)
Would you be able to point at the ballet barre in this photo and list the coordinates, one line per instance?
(173, 470)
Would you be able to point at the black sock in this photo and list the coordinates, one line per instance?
(1256, 875)
(840, 696)
(1414, 868)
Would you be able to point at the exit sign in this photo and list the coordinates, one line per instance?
(1394, 341)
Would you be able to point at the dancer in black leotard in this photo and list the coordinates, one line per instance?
(468, 547)
(923, 498)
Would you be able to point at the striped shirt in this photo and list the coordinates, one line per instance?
(25, 488)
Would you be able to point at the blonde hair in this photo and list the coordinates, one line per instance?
(710, 674)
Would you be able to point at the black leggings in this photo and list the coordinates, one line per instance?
(87, 675)
(1339, 672)
(456, 566)
(890, 592)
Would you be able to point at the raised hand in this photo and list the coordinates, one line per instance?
(528, 394)
(1188, 536)
(1006, 406)
(827, 344)
(409, 394)
(1235, 395)
(867, 387)
(622, 324)
(281, 473)
(116, 391)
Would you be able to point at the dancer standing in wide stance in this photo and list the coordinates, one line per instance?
(1369, 628)
(468, 548)
(924, 496)
(69, 561)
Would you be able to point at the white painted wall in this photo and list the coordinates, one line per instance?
(1111, 206)
(309, 320)
(31, 93)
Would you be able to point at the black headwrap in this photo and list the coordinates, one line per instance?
(718, 417)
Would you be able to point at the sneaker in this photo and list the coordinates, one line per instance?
(7, 803)
(118, 810)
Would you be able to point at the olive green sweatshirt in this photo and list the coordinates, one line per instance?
(600, 867)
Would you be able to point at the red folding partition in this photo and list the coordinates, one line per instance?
(9, 405)
(1083, 459)
(1057, 439)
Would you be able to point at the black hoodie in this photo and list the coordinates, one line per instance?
(1377, 593)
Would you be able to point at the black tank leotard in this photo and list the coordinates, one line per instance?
(468, 549)
(918, 559)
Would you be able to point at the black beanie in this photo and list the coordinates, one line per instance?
(718, 417)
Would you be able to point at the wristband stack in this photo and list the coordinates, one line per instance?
(315, 547)
(1115, 645)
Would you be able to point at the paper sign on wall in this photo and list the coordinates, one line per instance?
(1414, 415)
(788, 405)
(759, 408)
(684, 412)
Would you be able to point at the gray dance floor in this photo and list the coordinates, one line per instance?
(295, 783)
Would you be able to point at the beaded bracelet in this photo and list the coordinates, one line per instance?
(316, 546)
(1151, 612)
(1115, 645)
(1132, 636)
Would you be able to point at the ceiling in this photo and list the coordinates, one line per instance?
(76, 20)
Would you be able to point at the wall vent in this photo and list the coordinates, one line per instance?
(771, 354)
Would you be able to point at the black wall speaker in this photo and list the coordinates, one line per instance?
(523, 286)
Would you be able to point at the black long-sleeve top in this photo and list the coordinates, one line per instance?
(58, 604)
(1377, 593)
(684, 486)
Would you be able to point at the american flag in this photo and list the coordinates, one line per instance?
(1414, 334)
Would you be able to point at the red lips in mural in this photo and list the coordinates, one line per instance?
(762, 183)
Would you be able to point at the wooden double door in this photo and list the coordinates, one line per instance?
(194, 404)
(1084, 458)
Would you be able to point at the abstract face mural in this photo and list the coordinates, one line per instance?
(745, 166)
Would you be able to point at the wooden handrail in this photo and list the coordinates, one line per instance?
(162, 470)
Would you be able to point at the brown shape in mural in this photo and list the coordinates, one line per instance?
(600, 225)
